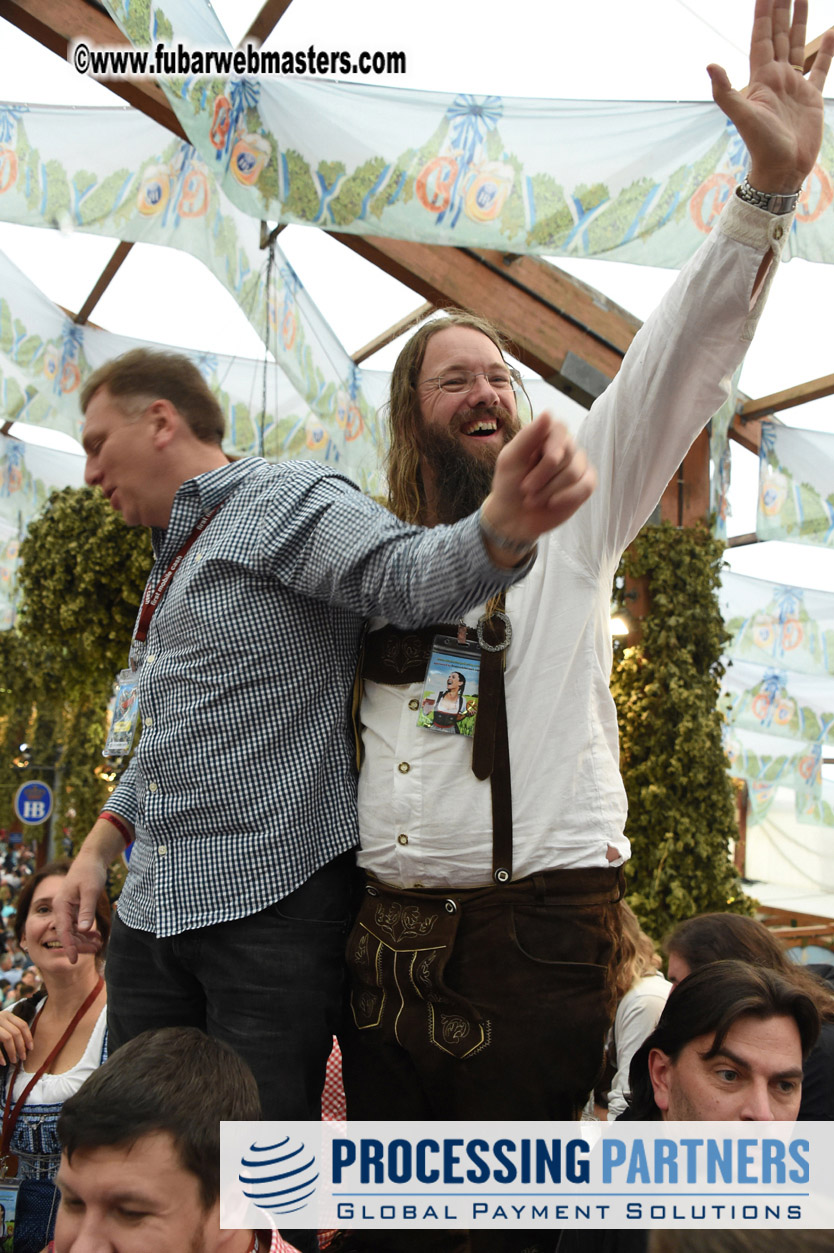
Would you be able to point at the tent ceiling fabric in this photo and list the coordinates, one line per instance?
(411, 172)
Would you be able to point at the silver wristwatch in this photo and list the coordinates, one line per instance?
(772, 202)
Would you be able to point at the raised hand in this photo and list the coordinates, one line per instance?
(779, 114)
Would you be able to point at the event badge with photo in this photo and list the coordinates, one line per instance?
(8, 1201)
(450, 690)
(125, 714)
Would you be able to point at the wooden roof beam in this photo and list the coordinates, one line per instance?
(559, 327)
(801, 394)
(746, 426)
(56, 23)
(747, 432)
(393, 332)
(264, 24)
(104, 280)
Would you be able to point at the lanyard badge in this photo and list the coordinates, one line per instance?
(450, 689)
(124, 714)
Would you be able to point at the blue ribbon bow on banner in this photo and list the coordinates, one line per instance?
(470, 121)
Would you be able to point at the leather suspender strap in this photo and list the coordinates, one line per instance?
(491, 750)
(394, 656)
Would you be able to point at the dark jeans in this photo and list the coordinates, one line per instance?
(489, 1003)
(270, 985)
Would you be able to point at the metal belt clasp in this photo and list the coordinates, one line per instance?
(508, 632)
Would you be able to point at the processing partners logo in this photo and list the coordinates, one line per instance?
(518, 1177)
(279, 1177)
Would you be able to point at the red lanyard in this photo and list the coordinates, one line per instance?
(11, 1113)
(153, 596)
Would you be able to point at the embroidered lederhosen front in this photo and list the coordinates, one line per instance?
(397, 953)
(403, 940)
(401, 950)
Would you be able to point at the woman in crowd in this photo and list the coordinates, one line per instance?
(717, 937)
(49, 1051)
(641, 995)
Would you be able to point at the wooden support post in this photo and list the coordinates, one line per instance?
(742, 808)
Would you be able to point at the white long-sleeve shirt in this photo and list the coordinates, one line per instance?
(424, 819)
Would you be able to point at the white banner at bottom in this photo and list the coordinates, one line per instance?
(526, 1175)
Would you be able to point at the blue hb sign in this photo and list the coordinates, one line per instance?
(33, 802)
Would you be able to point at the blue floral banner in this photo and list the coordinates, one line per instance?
(45, 358)
(28, 474)
(638, 182)
(796, 486)
(778, 691)
(113, 172)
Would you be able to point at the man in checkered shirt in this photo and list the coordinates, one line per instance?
(241, 793)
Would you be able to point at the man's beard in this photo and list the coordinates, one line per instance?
(461, 479)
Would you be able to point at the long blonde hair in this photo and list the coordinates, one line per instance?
(638, 954)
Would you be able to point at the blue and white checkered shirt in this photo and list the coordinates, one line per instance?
(243, 783)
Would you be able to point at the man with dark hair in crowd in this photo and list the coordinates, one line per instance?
(140, 1169)
(729, 1046)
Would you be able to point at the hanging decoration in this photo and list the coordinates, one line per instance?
(778, 691)
(629, 181)
(796, 498)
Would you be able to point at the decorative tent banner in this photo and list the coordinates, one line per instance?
(778, 692)
(789, 628)
(28, 474)
(116, 173)
(45, 359)
(796, 474)
(764, 768)
(638, 182)
(780, 702)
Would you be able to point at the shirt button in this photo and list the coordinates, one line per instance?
(778, 232)
(198, 557)
(402, 839)
(162, 850)
(403, 767)
(152, 787)
(150, 659)
(414, 704)
(149, 722)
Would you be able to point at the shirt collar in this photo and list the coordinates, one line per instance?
(198, 495)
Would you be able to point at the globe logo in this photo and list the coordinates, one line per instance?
(279, 1178)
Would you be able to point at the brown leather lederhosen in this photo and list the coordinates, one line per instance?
(403, 938)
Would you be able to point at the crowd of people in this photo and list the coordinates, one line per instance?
(474, 881)
(740, 1032)
(19, 977)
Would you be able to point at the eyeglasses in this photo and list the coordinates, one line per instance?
(502, 378)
